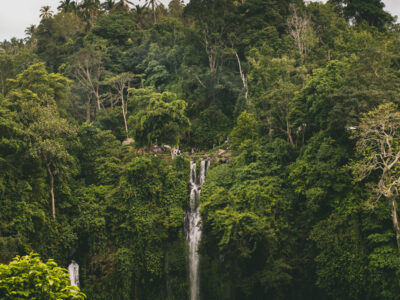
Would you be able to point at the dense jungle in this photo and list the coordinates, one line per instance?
(293, 104)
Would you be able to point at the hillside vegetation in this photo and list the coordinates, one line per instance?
(296, 105)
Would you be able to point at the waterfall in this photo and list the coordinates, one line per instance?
(73, 270)
(193, 226)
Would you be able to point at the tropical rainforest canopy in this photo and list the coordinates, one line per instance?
(301, 100)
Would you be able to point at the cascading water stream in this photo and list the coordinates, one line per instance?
(73, 270)
(193, 226)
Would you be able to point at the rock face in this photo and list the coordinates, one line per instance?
(156, 150)
(128, 141)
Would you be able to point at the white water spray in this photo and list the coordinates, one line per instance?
(73, 270)
(193, 226)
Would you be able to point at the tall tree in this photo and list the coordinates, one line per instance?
(89, 10)
(378, 144)
(67, 6)
(36, 82)
(153, 4)
(88, 70)
(49, 136)
(215, 23)
(46, 12)
(120, 83)
(159, 118)
(300, 29)
(175, 8)
(123, 4)
(108, 5)
(40, 100)
(139, 14)
(29, 31)
(370, 11)
(6, 70)
(275, 82)
(54, 37)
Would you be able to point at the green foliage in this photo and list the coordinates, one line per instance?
(280, 87)
(99, 155)
(275, 82)
(36, 83)
(314, 103)
(370, 11)
(246, 128)
(159, 118)
(27, 277)
(147, 209)
(6, 70)
(211, 128)
(242, 206)
(115, 27)
(54, 35)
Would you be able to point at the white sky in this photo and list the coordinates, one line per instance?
(17, 15)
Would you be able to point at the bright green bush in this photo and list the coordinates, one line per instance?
(27, 277)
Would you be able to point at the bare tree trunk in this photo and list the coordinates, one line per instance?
(395, 220)
(88, 71)
(297, 27)
(88, 105)
(3, 87)
(211, 54)
(53, 205)
(242, 76)
(154, 11)
(289, 131)
(270, 130)
(97, 98)
(124, 114)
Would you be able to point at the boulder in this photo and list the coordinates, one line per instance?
(128, 141)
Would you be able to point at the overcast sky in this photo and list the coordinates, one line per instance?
(17, 15)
